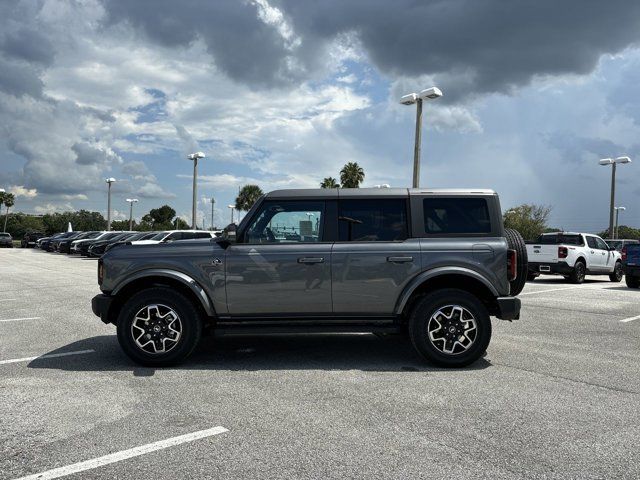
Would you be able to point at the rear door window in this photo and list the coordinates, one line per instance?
(451, 216)
(372, 220)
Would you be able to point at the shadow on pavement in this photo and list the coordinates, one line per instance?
(254, 353)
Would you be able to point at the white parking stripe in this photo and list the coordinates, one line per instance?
(585, 287)
(630, 319)
(50, 355)
(124, 454)
(552, 290)
(8, 299)
(19, 319)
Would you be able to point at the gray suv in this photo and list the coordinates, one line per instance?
(435, 264)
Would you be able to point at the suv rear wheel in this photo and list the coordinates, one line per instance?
(578, 273)
(158, 327)
(450, 327)
(618, 273)
(632, 282)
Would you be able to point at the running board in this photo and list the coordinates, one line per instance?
(270, 328)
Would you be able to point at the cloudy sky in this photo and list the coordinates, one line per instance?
(283, 92)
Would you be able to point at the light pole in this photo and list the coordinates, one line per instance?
(109, 182)
(2, 190)
(131, 202)
(194, 157)
(617, 214)
(613, 162)
(213, 202)
(232, 207)
(417, 98)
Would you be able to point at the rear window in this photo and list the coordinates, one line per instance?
(374, 220)
(450, 216)
(559, 238)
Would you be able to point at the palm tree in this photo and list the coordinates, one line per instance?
(351, 175)
(329, 182)
(249, 194)
(9, 201)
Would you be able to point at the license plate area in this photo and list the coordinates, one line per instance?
(545, 268)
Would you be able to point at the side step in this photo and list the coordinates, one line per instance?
(275, 329)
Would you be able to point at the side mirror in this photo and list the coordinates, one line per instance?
(612, 249)
(229, 233)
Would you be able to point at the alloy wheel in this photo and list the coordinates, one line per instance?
(452, 329)
(156, 329)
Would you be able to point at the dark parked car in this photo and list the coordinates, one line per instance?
(631, 264)
(98, 247)
(64, 246)
(6, 240)
(83, 248)
(55, 244)
(132, 238)
(434, 264)
(45, 243)
(30, 239)
(620, 243)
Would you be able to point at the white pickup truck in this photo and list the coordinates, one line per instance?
(573, 255)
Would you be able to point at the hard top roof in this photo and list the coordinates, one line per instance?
(372, 192)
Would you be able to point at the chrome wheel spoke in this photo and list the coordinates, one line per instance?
(452, 329)
(156, 329)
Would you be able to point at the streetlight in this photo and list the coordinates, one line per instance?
(131, 202)
(232, 207)
(109, 182)
(613, 162)
(213, 202)
(194, 157)
(417, 98)
(618, 209)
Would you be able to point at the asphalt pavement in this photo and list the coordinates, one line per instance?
(556, 396)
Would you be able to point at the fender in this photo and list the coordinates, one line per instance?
(175, 275)
(437, 272)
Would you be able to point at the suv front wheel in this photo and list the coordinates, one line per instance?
(450, 327)
(158, 327)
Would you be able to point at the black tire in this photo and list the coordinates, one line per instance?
(578, 273)
(190, 327)
(631, 281)
(617, 274)
(428, 306)
(516, 242)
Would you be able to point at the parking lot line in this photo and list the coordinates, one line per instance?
(630, 319)
(50, 355)
(124, 454)
(8, 299)
(19, 319)
(585, 287)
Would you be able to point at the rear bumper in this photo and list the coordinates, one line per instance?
(508, 308)
(561, 268)
(100, 304)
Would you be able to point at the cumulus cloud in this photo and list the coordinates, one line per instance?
(21, 191)
(153, 190)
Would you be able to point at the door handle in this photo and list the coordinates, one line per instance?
(308, 260)
(592, 251)
(399, 259)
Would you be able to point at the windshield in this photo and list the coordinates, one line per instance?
(4, 235)
(617, 244)
(160, 236)
(559, 238)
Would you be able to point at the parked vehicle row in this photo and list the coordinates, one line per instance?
(96, 243)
